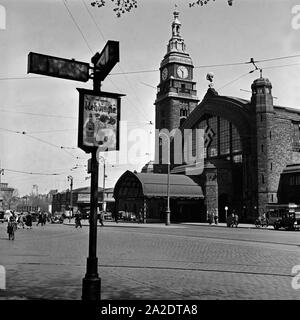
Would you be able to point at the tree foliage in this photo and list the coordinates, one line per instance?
(122, 6)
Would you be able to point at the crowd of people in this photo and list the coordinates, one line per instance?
(24, 220)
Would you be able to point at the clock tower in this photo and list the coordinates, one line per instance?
(176, 93)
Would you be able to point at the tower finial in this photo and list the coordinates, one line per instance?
(176, 23)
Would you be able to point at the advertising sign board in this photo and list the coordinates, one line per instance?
(99, 116)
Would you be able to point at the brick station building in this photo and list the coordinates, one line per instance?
(251, 147)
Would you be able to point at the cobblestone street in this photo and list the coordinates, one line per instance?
(152, 262)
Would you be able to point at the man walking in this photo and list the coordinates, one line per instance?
(101, 218)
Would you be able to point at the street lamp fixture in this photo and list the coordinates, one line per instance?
(168, 211)
(104, 176)
(70, 178)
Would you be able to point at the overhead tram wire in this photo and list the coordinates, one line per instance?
(43, 141)
(38, 114)
(122, 72)
(74, 20)
(156, 70)
(36, 173)
(232, 81)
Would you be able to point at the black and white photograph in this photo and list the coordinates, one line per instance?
(149, 152)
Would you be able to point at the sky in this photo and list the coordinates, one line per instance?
(46, 108)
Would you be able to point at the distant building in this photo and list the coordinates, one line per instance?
(81, 198)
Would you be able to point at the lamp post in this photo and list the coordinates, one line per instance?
(70, 178)
(103, 192)
(168, 211)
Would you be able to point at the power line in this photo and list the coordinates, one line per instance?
(70, 13)
(49, 131)
(232, 81)
(156, 70)
(38, 114)
(122, 72)
(36, 173)
(93, 19)
(22, 78)
(43, 141)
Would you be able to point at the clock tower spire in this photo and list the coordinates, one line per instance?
(176, 92)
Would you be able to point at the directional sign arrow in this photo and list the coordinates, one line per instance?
(58, 67)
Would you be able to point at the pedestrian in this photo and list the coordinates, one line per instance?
(116, 216)
(216, 218)
(101, 218)
(138, 216)
(141, 216)
(78, 220)
(40, 219)
(236, 219)
(29, 221)
(44, 218)
(11, 228)
(210, 218)
(21, 220)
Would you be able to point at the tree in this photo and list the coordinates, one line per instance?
(10, 200)
(122, 6)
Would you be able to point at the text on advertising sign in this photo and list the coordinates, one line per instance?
(99, 115)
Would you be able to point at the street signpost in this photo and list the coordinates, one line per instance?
(96, 108)
(58, 67)
(107, 59)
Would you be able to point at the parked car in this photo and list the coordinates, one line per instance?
(127, 216)
(288, 221)
(57, 219)
(284, 216)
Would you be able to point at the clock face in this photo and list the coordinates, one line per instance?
(164, 74)
(182, 72)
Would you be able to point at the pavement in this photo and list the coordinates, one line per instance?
(110, 223)
(153, 261)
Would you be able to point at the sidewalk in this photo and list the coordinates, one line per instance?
(122, 223)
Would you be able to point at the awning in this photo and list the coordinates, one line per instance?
(155, 185)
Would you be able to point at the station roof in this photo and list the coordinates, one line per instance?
(155, 185)
(181, 186)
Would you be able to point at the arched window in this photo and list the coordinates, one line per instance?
(221, 138)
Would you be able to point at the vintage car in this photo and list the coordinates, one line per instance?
(284, 216)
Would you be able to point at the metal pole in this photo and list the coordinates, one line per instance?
(91, 284)
(71, 197)
(168, 211)
(104, 207)
(168, 197)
